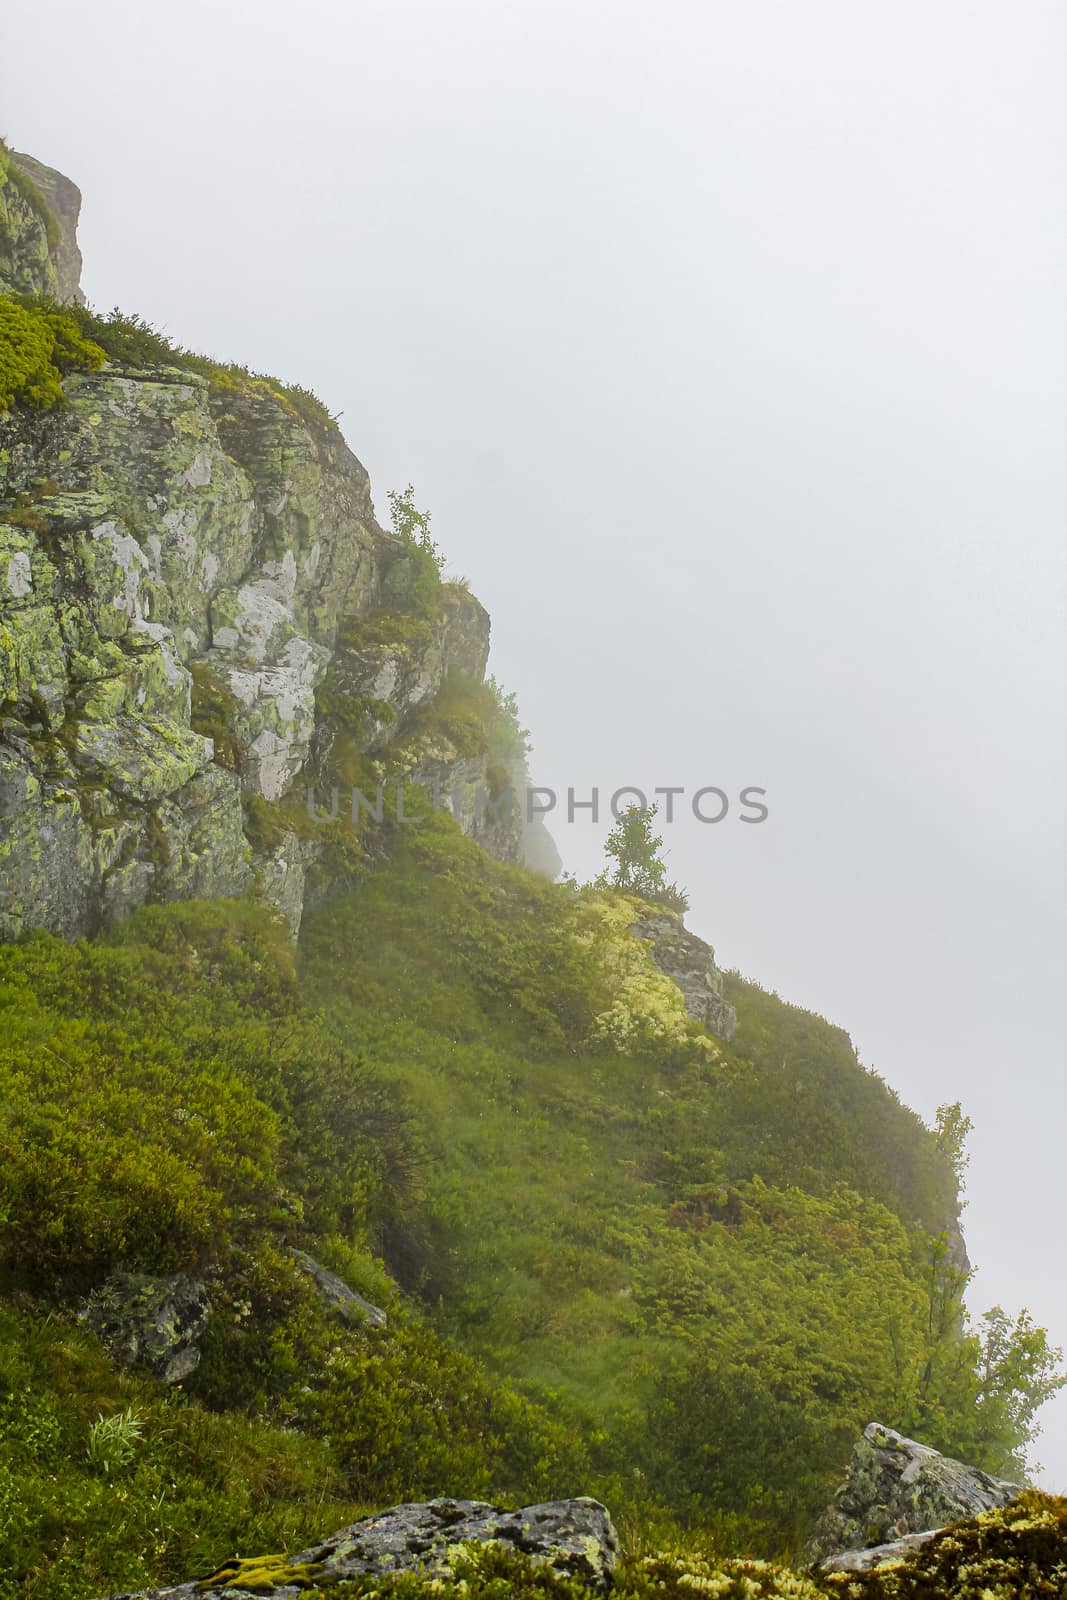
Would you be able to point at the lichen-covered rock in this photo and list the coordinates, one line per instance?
(690, 963)
(155, 1322)
(878, 1555)
(197, 605)
(63, 200)
(571, 1538)
(39, 209)
(1018, 1552)
(157, 524)
(344, 1302)
(897, 1487)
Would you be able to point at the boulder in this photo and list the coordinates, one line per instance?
(895, 1489)
(572, 1538)
(153, 1321)
(344, 1302)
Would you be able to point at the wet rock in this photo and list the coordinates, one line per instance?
(690, 963)
(895, 1488)
(573, 1538)
(154, 1322)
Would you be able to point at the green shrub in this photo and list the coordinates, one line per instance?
(129, 340)
(38, 344)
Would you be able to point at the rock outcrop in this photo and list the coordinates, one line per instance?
(176, 563)
(690, 963)
(210, 649)
(39, 209)
(64, 202)
(345, 1303)
(898, 1492)
(572, 1538)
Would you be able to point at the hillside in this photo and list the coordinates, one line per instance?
(596, 1240)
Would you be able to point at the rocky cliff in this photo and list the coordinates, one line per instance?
(39, 211)
(200, 617)
(217, 671)
(175, 557)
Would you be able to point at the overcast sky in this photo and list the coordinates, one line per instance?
(725, 344)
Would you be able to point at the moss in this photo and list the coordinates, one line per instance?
(380, 629)
(1017, 1553)
(269, 823)
(39, 343)
(11, 173)
(261, 1575)
(214, 708)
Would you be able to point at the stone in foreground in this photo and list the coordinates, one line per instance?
(897, 1488)
(572, 1538)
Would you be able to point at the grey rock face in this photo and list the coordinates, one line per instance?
(690, 962)
(176, 527)
(344, 1302)
(188, 573)
(153, 1321)
(895, 1488)
(879, 1555)
(64, 200)
(39, 209)
(573, 1538)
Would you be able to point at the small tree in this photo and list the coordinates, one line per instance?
(638, 868)
(412, 526)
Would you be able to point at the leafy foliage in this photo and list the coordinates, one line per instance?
(975, 1388)
(168, 1102)
(673, 1274)
(38, 344)
(715, 1253)
(423, 561)
(639, 869)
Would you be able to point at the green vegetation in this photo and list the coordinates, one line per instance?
(639, 868)
(423, 561)
(40, 342)
(627, 1262)
(38, 345)
(166, 1100)
(214, 706)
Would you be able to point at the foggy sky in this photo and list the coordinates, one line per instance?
(725, 344)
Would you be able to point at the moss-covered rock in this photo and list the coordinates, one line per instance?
(37, 250)
(897, 1487)
(153, 525)
(690, 963)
